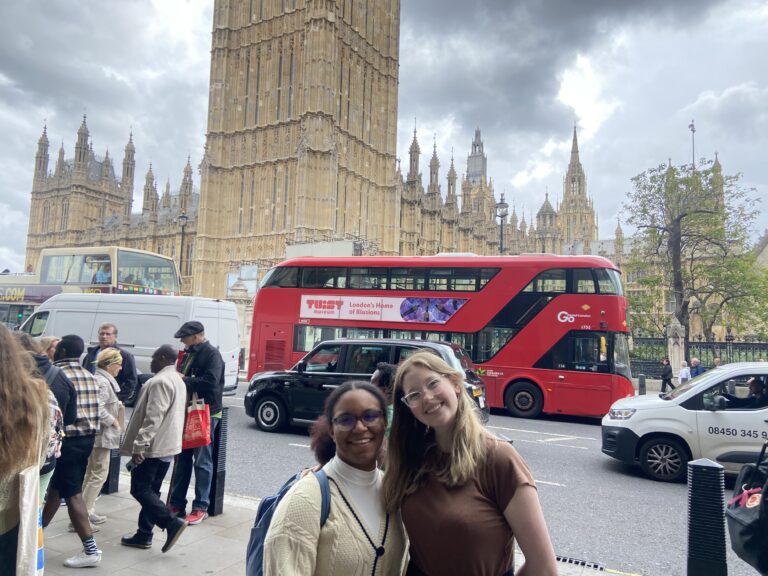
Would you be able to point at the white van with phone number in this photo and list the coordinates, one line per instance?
(144, 323)
(712, 416)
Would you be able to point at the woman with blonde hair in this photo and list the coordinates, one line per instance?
(108, 364)
(24, 435)
(48, 345)
(464, 495)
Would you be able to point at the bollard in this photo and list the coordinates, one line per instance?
(641, 384)
(216, 494)
(706, 519)
(113, 477)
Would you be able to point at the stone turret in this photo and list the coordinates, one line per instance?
(413, 152)
(82, 150)
(41, 158)
(185, 194)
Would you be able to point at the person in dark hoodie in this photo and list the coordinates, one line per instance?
(63, 390)
(127, 376)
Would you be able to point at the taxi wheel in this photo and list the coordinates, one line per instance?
(664, 459)
(270, 414)
(524, 400)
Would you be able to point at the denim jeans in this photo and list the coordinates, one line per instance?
(203, 465)
(146, 481)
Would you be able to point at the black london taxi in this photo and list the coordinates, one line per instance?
(297, 396)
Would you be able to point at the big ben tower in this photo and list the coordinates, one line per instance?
(301, 135)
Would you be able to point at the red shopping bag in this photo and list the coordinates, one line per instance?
(197, 426)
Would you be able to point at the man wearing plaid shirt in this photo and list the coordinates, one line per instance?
(67, 480)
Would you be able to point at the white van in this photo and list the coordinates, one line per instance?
(143, 323)
(711, 416)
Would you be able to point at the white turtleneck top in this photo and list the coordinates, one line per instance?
(358, 486)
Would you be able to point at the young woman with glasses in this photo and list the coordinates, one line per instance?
(463, 494)
(359, 536)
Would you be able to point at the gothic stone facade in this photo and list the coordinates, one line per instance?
(82, 202)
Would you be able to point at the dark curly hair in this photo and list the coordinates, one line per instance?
(320, 433)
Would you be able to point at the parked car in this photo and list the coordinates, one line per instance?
(297, 396)
(711, 416)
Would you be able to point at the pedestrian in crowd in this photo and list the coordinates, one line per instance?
(127, 376)
(685, 372)
(67, 480)
(62, 409)
(382, 378)
(696, 367)
(666, 376)
(203, 370)
(48, 345)
(152, 439)
(108, 364)
(359, 536)
(716, 361)
(24, 434)
(464, 494)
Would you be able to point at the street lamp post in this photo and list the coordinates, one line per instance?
(183, 219)
(502, 211)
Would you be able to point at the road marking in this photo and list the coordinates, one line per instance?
(559, 436)
(565, 439)
(550, 483)
(300, 445)
(541, 442)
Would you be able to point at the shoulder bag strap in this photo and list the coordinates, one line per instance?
(325, 493)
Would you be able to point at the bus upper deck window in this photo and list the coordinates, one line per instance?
(324, 277)
(368, 278)
(407, 278)
(548, 281)
(282, 277)
(608, 281)
(583, 283)
(486, 274)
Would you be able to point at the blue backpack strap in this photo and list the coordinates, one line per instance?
(325, 493)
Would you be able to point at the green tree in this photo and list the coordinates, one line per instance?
(692, 243)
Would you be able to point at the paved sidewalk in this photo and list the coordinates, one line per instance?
(217, 546)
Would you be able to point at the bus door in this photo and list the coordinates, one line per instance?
(573, 366)
(273, 350)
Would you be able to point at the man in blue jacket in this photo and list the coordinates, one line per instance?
(203, 369)
(696, 367)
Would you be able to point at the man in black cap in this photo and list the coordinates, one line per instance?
(203, 370)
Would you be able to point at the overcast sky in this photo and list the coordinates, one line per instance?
(631, 74)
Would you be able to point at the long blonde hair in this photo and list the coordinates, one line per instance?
(24, 416)
(412, 452)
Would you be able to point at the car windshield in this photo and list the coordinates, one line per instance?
(682, 389)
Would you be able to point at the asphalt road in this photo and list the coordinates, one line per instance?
(597, 509)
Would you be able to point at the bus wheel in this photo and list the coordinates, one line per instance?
(524, 400)
(664, 459)
(270, 414)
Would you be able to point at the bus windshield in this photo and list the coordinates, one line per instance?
(76, 269)
(140, 269)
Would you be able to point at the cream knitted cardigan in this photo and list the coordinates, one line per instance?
(296, 546)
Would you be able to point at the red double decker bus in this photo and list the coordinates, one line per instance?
(547, 333)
